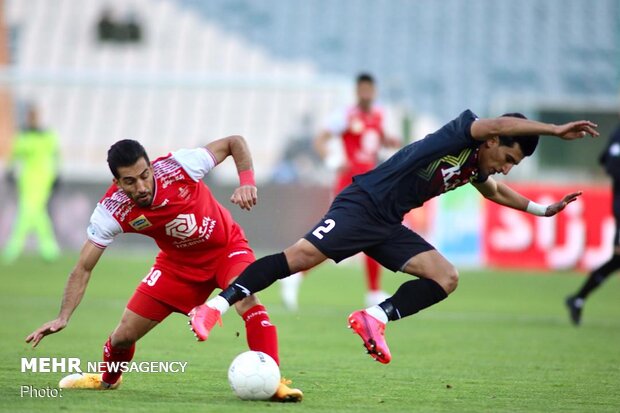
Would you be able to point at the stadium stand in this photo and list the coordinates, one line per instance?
(256, 67)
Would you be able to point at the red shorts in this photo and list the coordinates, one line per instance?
(165, 289)
(345, 178)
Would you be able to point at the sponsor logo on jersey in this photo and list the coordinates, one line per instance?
(182, 227)
(140, 223)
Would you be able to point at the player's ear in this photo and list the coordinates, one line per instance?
(491, 142)
(115, 182)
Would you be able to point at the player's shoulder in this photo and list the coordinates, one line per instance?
(165, 165)
(116, 203)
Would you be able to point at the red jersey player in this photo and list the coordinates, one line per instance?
(361, 129)
(201, 248)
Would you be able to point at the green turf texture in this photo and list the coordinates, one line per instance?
(501, 343)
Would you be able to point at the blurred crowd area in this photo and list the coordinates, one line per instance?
(179, 73)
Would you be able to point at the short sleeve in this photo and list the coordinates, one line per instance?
(337, 122)
(196, 162)
(464, 122)
(103, 227)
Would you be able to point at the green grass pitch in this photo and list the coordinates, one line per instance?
(501, 343)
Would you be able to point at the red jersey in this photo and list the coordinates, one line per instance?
(362, 135)
(189, 225)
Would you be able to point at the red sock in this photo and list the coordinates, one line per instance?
(373, 272)
(260, 333)
(115, 354)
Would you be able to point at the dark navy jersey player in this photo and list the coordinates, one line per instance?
(610, 160)
(366, 216)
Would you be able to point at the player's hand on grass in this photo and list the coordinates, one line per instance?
(245, 196)
(576, 130)
(48, 328)
(559, 206)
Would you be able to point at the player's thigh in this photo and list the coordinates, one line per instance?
(432, 265)
(408, 252)
(344, 231)
(235, 261)
(397, 250)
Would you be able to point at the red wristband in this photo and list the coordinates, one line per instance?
(247, 178)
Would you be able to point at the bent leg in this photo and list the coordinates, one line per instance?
(433, 266)
(409, 252)
(120, 346)
(267, 270)
(260, 334)
(44, 229)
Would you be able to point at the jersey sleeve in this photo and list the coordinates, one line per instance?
(453, 137)
(103, 227)
(196, 162)
(337, 122)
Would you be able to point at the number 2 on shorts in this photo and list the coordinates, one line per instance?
(324, 229)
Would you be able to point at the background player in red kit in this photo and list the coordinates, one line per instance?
(361, 131)
(201, 248)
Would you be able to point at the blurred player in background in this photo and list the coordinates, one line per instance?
(201, 248)
(610, 160)
(361, 135)
(367, 216)
(35, 157)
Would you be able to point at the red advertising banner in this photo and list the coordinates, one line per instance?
(581, 236)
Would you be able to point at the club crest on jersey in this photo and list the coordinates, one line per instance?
(140, 223)
(182, 227)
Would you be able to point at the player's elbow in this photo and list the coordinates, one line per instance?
(237, 140)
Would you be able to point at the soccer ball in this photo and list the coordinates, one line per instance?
(254, 375)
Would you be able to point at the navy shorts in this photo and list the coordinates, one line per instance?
(353, 225)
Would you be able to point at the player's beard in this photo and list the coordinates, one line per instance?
(143, 200)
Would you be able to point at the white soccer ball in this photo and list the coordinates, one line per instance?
(254, 375)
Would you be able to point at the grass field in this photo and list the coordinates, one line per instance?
(501, 343)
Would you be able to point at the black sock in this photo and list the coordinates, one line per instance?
(411, 297)
(256, 277)
(599, 275)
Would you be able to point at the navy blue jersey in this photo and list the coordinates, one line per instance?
(442, 161)
(610, 160)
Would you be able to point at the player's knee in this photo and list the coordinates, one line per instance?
(450, 280)
(123, 338)
(303, 256)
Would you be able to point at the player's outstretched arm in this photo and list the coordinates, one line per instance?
(246, 194)
(484, 129)
(502, 194)
(74, 291)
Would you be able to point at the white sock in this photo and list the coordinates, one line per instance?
(219, 303)
(378, 313)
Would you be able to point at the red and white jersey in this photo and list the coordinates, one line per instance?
(186, 221)
(362, 134)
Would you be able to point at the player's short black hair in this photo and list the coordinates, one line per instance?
(527, 143)
(365, 77)
(125, 152)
